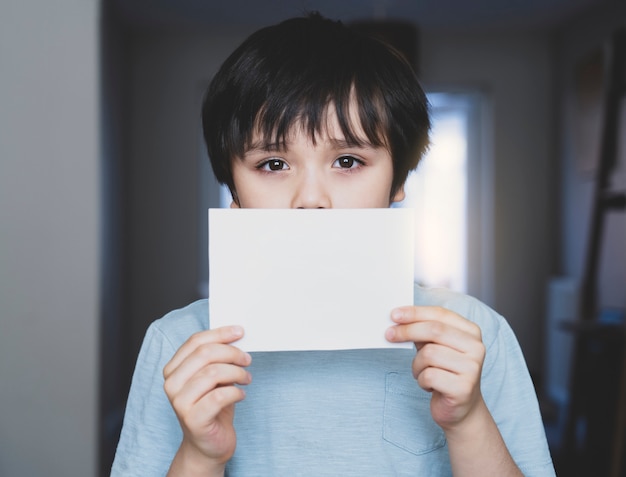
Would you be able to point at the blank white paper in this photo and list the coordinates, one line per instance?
(310, 279)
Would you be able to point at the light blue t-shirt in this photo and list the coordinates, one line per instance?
(334, 413)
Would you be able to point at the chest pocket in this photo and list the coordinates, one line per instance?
(407, 422)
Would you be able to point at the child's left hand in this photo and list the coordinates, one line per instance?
(449, 359)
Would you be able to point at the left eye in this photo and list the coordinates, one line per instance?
(273, 165)
(347, 162)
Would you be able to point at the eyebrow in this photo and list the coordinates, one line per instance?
(283, 146)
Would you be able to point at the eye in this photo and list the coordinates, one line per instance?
(273, 165)
(347, 162)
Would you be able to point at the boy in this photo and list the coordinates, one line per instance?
(310, 114)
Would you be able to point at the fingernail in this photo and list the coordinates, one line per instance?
(396, 314)
(390, 334)
(237, 331)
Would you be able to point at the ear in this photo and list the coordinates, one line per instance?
(235, 202)
(399, 195)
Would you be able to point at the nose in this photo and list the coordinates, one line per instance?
(311, 192)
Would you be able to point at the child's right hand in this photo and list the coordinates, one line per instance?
(200, 384)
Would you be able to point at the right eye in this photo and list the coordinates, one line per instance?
(273, 165)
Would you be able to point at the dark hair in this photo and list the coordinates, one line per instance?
(289, 73)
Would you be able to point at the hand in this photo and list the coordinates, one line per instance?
(449, 359)
(200, 384)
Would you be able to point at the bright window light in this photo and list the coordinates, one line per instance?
(437, 192)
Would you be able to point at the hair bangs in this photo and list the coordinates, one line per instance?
(310, 109)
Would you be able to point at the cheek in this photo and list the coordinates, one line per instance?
(261, 195)
(250, 190)
(379, 187)
(371, 194)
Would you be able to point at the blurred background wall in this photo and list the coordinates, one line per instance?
(50, 242)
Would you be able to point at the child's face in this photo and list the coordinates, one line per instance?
(326, 174)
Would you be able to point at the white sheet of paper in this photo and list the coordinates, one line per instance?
(310, 279)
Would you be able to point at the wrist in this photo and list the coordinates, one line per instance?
(477, 422)
(189, 461)
(476, 447)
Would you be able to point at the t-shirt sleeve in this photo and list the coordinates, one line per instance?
(150, 434)
(510, 396)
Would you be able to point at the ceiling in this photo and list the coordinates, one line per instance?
(427, 14)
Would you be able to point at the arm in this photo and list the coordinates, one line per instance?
(448, 363)
(200, 384)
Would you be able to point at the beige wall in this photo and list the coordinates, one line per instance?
(49, 244)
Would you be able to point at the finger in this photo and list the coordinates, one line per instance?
(211, 405)
(224, 335)
(204, 382)
(434, 332)
(412, 314)
(201, 357)
(442, 357)
(456, 388)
